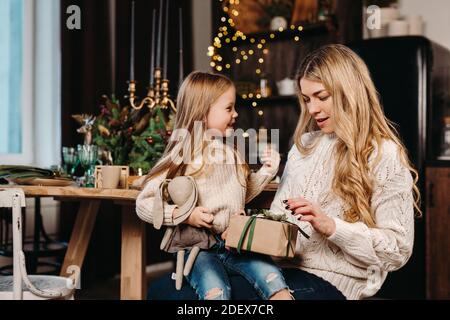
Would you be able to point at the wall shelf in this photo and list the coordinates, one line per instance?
(272, 100)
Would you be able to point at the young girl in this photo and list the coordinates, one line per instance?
(205, 115)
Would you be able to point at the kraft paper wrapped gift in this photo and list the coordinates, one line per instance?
(270, 237)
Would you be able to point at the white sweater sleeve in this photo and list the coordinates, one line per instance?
(389, 245)
(256, 182)
(145, 200)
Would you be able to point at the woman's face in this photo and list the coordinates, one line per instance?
(319, 103)
(222, 114)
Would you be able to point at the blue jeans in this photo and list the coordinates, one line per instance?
(209, 275)
(305, 286)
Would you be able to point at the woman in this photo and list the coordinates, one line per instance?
(347, 182)
(348, 179)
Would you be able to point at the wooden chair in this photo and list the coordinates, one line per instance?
(36, 287)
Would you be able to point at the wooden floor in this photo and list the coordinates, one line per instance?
(100, 290)
(110, 289)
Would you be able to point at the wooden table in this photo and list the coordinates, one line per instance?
(133, 284)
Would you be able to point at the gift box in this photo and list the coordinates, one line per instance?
(262, 235)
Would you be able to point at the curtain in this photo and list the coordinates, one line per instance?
(86, 58)
(47, 84)
(29, 82)
(11, 33)
(86, 76)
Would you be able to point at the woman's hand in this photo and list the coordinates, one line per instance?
(200, 218)
(305, 210)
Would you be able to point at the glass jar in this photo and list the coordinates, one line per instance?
(264, 87)
(445, 148)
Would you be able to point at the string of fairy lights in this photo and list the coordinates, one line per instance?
(228, 34)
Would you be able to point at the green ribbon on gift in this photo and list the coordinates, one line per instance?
(266, 214)
(249, 228)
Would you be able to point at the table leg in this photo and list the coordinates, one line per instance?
(133, 283)
(81, 234)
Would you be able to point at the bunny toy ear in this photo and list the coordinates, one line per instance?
(179, 270)
(158, 205)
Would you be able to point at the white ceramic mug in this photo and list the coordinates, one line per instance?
(398, 28)
(389, 14)
(415, 25)
(286, 87)
(110, 176)
(378, 33)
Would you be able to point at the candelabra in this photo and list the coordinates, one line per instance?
(157, 95)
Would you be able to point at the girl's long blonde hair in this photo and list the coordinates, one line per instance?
(197, 94)
(358, 120)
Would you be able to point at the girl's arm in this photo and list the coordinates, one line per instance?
(257, 181)
(145, 201)
(389, 245)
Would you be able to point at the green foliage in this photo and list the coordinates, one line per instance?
(13, 172)
(149, 146)
(134, 139)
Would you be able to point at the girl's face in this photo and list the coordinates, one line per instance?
(222, 115)
(319, 103)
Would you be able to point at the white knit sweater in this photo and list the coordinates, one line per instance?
(355, 259)
(219, 190)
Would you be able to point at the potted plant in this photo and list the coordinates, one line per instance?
(131, 138)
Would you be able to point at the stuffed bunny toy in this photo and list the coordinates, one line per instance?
(182, 191)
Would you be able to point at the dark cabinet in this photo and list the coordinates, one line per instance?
(438, 233)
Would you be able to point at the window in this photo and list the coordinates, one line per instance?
(11, 30)
(30, 82)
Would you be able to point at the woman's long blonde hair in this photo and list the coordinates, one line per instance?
(197, 94)
(358, 120)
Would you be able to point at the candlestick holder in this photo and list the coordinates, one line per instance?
(157, 94)
(132, 97)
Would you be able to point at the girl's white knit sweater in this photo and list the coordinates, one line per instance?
(356, 258)
(219, 190)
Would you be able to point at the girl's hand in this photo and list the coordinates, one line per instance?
(305, 210)
(224, 238)
(224, 234)
(200, 218)
(271, 160)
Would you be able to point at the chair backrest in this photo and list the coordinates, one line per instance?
(15, 199)
(51, 287)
